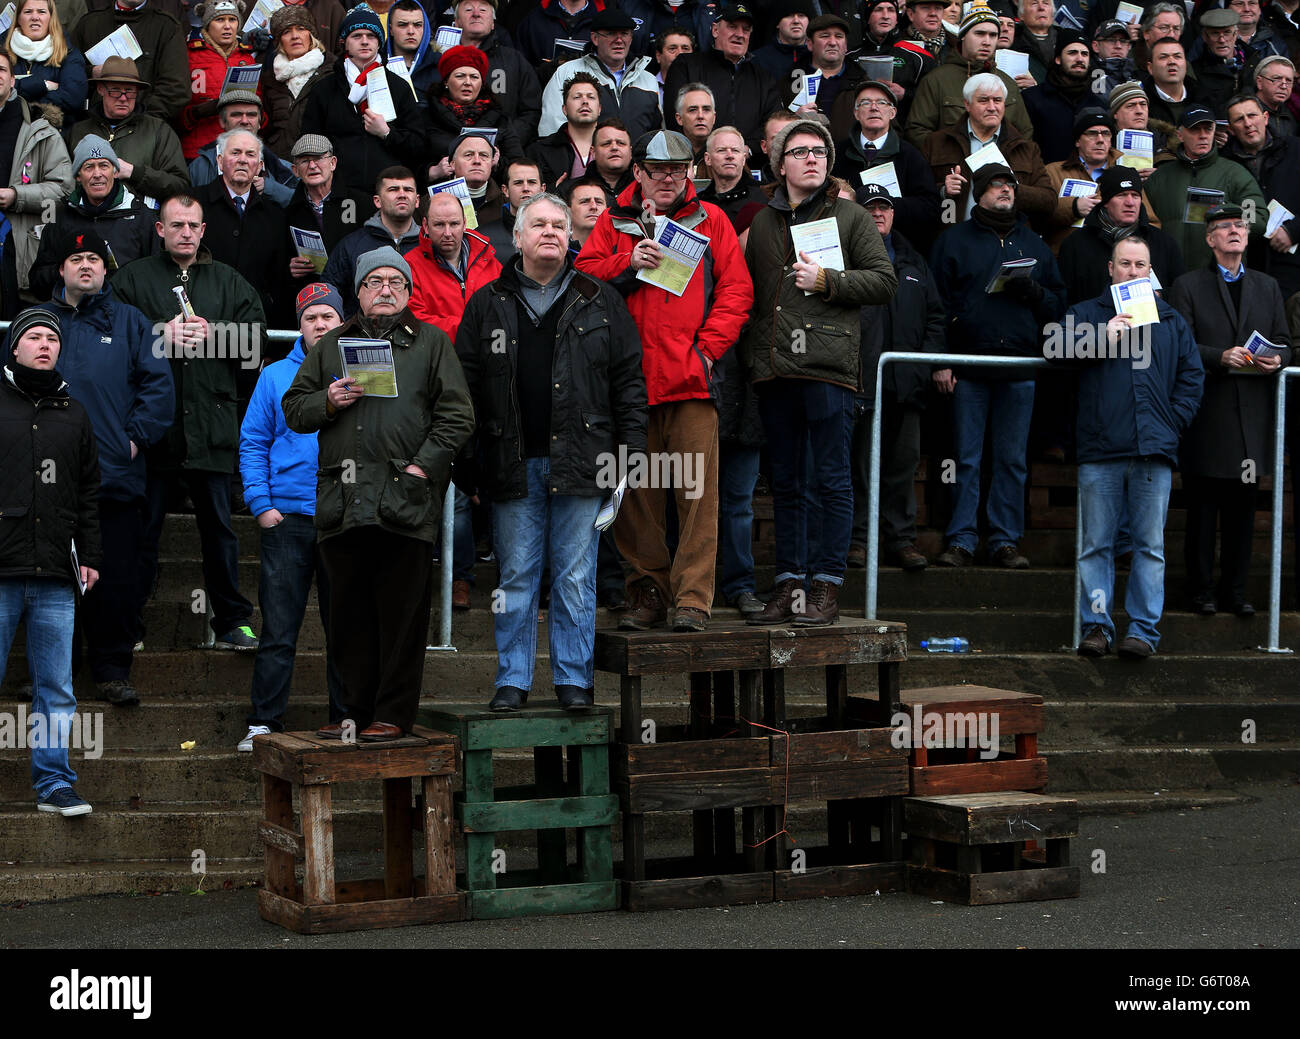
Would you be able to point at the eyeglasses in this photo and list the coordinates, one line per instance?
(313, 160)
(1096, 133)
(375, 282)
(1288, 80)
(868, 103)
(803, 151)
(122, 91)
(1230, 225)
(658, 171)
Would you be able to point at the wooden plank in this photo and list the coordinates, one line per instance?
(277, 811)
(439, 850)
(318, 846)
(275, 836)
(726, 645)
(865, 779)
(479, 849)
(629, 706)
(697, 892)
(478, 776)
(724, 714)
(279, 757)
(980, 777)
(544, 813)
(687, 791)
(363, 916)
(525, 730)
(633, 846)
(701, 713)
(1026, 885)
(773, 699)
(834, 748)
(997, 818)
(593, 771)
(750, 703)
(837, 881)
(544, 900)
(696, 756)
(1016, 712)
(399, 872)
(751, 836)
(367, 761)
(852, 641)
(888, 681)
(837, 693)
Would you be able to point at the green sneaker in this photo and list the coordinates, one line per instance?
(240, 639)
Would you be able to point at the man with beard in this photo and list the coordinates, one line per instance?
(1053, 104)
(566, 153)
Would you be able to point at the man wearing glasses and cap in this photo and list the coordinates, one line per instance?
(148, 150)
(682, 338)
(163, 61)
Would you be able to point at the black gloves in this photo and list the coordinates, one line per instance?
(1025, 291)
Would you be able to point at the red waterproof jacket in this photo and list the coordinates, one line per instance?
(207, 73)
(438, 296)
(678, 334)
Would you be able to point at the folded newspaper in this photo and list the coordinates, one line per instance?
(1021, 268)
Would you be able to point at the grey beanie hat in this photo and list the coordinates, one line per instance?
(385, 256)
(790, 129)
(29, 319)
(92, 146)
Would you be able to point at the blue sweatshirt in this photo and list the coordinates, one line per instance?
(277, 465)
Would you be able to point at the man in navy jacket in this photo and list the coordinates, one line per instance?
(278, 470)
(125, 385)
(1137, 395)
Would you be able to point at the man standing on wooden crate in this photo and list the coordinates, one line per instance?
(278, 470)
(802, 352)
(685, 329)
(49, 484)
(1139, 387)
(553, 360)
(391, 419)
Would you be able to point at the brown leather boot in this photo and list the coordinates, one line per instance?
(822, 607)
(646, 609)
(777, 610)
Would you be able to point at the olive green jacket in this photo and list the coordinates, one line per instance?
(365, 448)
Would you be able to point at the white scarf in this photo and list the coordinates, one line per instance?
(356, 91)
(30, 50)
(297, 71)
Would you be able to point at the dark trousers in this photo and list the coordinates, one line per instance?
(900, 452)
(290, 558)
(797, 412)
(1228, 505)
(381, 592)
(110, 612)
(210, 493)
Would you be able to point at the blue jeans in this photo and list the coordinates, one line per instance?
(289, 560)
(527, 533)
(738, 473)
(1106, 490)
(50, 608)
(797, 413)
(1009, 407)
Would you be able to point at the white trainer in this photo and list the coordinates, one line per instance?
(246, 744)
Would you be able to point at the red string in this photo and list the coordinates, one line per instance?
(785, 807)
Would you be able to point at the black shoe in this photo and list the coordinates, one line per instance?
(1009, 558)
(1243, 609)
(508, 699)
(574, 698)
(954, 555)
(117, 692)
(748, 604)
(65, 802)
(1205, 605)
(908, 557)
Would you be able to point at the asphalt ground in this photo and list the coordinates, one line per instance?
(1191, 893)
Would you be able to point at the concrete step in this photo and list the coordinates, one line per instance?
(1216, 767)
(45, 883)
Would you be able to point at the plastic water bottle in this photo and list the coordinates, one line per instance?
(953, 645)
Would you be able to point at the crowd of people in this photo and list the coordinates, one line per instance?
(539, 252)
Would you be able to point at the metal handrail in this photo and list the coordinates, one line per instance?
(873, 492)
(1275, 556)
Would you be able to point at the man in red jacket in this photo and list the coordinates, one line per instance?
(449, 265)
(682, 336)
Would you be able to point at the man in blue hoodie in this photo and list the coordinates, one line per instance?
(125, 385)
(410, 38)
(278, 468)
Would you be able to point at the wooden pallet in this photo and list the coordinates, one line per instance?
(964, 712)
(969, 848)
(302, 763)
(552, 805)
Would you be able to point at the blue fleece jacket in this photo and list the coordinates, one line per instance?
(113, 371)
(277, 465)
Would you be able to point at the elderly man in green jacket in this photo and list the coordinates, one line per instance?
(1197, 164)
(214, 342)
(801, 350)
(386, 442)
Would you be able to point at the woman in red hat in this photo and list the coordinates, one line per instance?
(464, 100)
